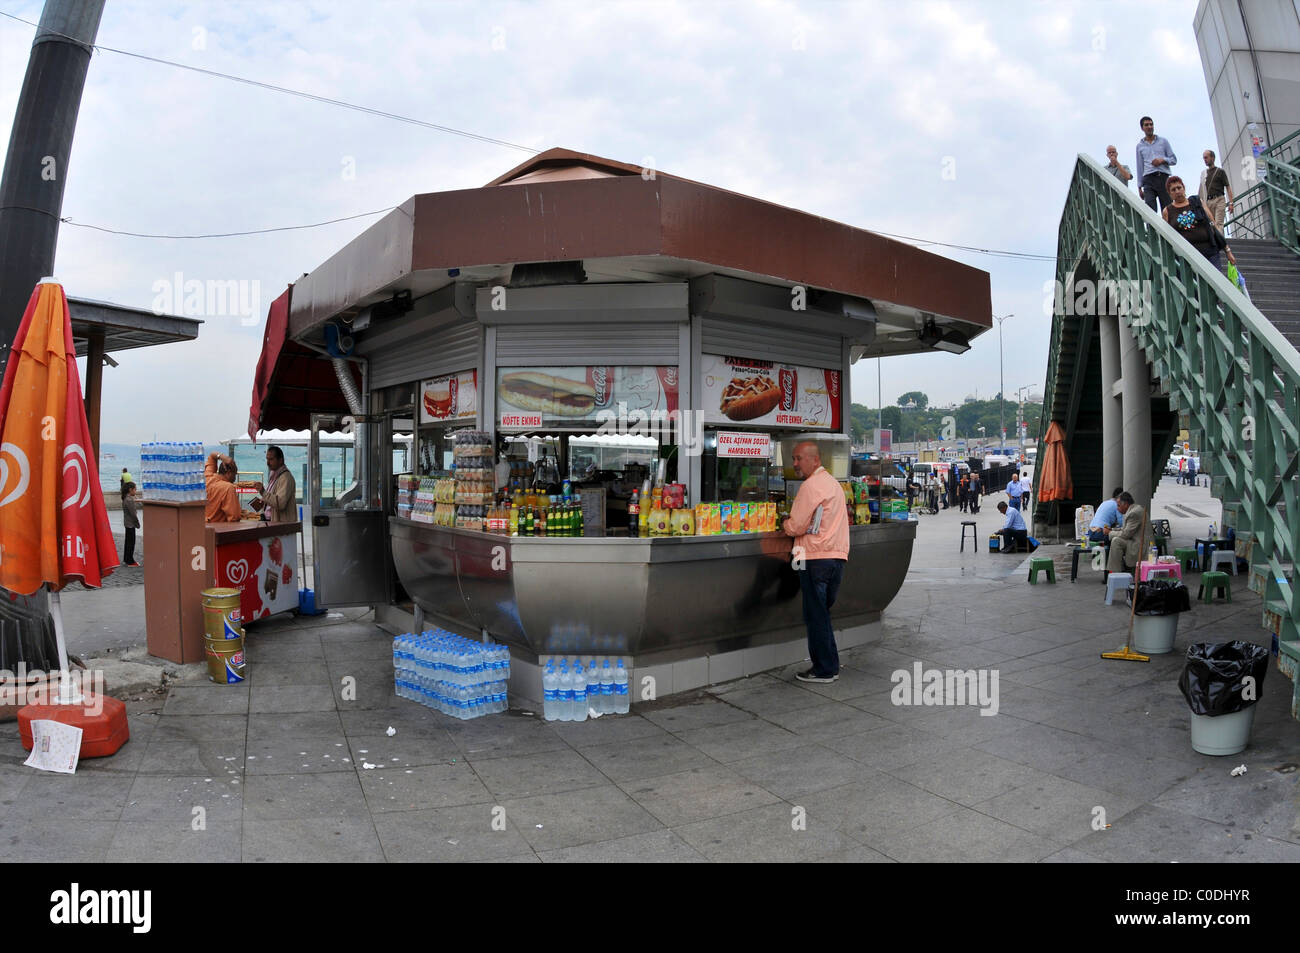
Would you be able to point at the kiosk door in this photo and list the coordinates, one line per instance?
(349, 540)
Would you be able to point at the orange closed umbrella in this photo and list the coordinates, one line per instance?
(53, 523)
(1054, 481)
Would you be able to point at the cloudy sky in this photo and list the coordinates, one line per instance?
(852, 111)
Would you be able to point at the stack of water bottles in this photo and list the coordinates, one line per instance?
(458, 676)
(173, 472)
(570, 694)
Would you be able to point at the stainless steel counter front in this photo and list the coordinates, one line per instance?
(661, 596)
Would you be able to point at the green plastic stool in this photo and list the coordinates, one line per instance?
(1212, 582)
(1186, 559)
(1043, 564)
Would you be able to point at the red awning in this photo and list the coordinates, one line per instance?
(292, 381)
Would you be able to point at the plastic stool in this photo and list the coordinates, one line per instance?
(974, 539)
(1043, 564)
(1212, 582)
(1117, 582)
(1187, 558)
(1222, 557)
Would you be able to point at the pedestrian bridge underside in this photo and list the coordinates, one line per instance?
(1146, 332)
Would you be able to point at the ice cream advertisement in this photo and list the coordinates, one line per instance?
(564, 396)
(764, 393)
(264, 571)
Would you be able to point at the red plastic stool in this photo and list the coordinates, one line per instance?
(101, 734)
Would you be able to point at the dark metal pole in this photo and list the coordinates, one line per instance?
(36, 165)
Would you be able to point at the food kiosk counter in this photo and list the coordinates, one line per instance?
(666, 597)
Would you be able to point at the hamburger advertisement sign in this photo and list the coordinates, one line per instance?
(567, 396)
(740, 390)
(449, 397)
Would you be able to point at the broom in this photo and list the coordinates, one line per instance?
(1124, 653)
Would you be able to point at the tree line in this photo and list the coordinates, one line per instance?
(924, 422)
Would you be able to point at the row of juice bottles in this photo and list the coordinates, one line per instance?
(534, 514)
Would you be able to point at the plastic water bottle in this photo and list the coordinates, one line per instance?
(622, 700)
(606, 688)
(1212, 531)
(566, 693)
(579, 692)
(593, 689)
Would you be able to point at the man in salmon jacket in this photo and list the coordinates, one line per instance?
(820, 524)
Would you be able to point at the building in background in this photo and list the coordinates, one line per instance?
(1250, 51)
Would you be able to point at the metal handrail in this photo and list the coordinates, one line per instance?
(1275, 150)
(1270, 202)
(1221, 360)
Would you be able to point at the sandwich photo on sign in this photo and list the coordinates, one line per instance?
(527, 396)
(547, 394)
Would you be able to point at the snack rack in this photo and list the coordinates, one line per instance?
(474, 477)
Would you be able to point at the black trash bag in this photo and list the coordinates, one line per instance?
(1161, 597)
(1212, 679)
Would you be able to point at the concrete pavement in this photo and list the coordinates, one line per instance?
(764, 768)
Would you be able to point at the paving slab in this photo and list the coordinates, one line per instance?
(587, 816)
(451, 834)
(697, 794)
(655, 847)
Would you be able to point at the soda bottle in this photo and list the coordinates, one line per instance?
(529, 528)
(633, 514)
(513, 520)
(541, 521)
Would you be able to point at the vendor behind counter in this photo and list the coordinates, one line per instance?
(223, 499)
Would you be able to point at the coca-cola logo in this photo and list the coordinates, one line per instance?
(451, 393)
(670, 376)
(789, 381)
(600, 381)
(833, 379)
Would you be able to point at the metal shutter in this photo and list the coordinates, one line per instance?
(765, 342)
(570, 345)
(444, 350)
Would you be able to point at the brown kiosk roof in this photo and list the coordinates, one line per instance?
(562, 205)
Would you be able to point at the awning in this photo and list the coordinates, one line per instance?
(292, 382)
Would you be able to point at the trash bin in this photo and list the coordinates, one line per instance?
(1214, 684)
(1155, 616)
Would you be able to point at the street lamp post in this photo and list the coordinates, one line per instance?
(1020, 413)
(1002, 395)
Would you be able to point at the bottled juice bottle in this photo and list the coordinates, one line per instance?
(513, 520)
(541, 521)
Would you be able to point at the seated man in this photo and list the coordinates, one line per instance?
(1013, 531)
(1106, 518)
(1126, 545)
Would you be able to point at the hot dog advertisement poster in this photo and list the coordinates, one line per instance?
(529, 397)
(764, 393)
(451, 397)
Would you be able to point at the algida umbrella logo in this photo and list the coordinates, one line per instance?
(74, 459)
(13, 489)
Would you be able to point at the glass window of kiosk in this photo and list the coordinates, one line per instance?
(615, 464)
(743, 479)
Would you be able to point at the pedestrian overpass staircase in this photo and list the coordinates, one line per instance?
(1226, 364)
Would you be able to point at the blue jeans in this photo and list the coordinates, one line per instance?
(1013, 502)
(1096, 536)
(820, 582)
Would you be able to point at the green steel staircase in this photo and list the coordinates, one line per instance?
(1219, 362)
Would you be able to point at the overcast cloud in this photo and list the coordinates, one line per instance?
(846, 110)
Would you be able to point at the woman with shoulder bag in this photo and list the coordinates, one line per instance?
(130, 522)
(1191, 220)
